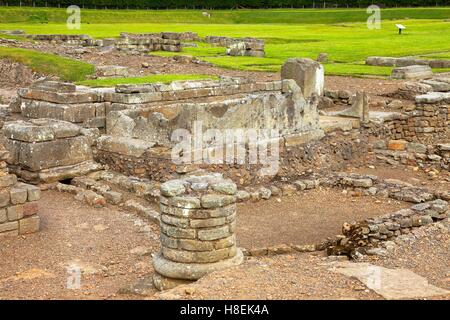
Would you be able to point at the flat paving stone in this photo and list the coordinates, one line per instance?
(392, 284)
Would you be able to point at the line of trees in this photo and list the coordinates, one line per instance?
(222, 4)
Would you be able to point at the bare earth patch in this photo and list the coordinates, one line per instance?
(307, 218)
(111, 248)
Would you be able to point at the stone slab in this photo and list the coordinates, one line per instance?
(124, 145)
(392, 284)
(412, 72)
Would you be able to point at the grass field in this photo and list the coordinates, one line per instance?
(50, 64)
(343, 34)
(164, 78)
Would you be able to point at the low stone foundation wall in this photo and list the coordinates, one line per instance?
(406, 61)
(250, 49)
(427, 122)
(145, 43)
(401, 152)
(363, 235)
(180, 36)
(71, 39)
(18, 203)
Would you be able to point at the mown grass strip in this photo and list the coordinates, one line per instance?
(49, 64)
(164, 78)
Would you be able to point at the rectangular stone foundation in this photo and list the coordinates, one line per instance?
(47, 150)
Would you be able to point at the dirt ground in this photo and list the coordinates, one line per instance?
(112, 249)
(307, 275)
(300, 220)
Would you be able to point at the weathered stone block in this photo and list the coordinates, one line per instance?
(29, 225)
(15, 212)
(25, 131)
(216, 201)
(177, 232)
(124, 145)
(58, 97)
(175, 221)
(397, 145)
(61, 152)
(213, 233)
(412, 72)
(7, 180)
(4, 198)
(207, 223)
(172, 188)
(307, 73)
(18, 195)
(76, 113)
(30, 208)
(182, 202)
(3, 215)
(9, 226)
(34, 193)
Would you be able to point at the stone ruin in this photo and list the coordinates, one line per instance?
(406, 61)
(412, 72)
(198, 223)
(18, 203)
(71, 132)
(246, 48)
(47, 150)
(128, 42)
(61, 101)
(162, 41)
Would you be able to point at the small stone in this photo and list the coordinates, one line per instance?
(242, 195)
(300, 185)
(264, 193)
(229, 188)
(216, 201)
(397, 145)
(172, 188)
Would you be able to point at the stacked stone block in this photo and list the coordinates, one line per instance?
(368, 233)
(404, 62)
(72, 39)
(198, 222)
(412, 72)
(62, 101)
(47, 150)
(18, 203)
(181, 36)
(396, 152)
(146, 43)
(427, 122)
(250, 49)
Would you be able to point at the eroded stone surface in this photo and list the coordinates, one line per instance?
(392, 284)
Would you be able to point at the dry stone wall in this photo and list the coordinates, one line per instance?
(18, 203)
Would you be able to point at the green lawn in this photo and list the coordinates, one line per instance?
(242, 16)
(49, 64)
(164, 78)
(341, 33)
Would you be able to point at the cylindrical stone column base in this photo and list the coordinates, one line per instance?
(198, 224)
